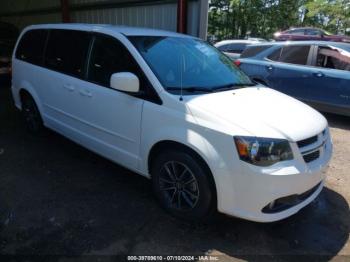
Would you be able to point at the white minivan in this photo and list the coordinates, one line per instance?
(174, 109)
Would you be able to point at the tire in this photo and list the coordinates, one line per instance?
(31, 115)
(183, 186)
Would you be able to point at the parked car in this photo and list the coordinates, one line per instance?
(176, 110)
(8, 37)
(5, 59)
(257, 39)
(234, 48)
(309, 33)
(314, 72)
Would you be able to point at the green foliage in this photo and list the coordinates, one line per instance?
(261, 18)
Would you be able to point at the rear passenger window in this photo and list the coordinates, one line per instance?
(296, 32)
(67, 51)
(275, 55)
(312, 32)
(295, 54)
(254, 50)
(291, 54)
(109, 56)
(31, 46)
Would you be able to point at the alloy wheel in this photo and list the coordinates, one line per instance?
(179, 186)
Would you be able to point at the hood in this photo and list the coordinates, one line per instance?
(257, 111)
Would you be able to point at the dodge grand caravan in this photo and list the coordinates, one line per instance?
(174, 109)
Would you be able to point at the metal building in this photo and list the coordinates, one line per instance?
(187, 16)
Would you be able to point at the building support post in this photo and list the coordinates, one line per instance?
(65, 11)
(182, 16)
(203, 19)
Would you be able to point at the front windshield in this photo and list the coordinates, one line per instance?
(189, 63)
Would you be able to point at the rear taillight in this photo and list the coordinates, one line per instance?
(237, 62)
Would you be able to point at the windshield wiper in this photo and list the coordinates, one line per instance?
(193, 89)
(190, 89)
(231, 86)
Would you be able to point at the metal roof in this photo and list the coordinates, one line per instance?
(126, 30)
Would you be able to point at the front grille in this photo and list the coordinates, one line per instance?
(312, 156)
(307, 141)
(315, 152)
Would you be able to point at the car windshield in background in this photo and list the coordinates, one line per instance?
(190, 64)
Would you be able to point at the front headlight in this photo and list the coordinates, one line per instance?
(262, 151)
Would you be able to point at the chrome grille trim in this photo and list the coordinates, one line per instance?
(313, 146)
(307, 141)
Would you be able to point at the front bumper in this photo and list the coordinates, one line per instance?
(255, 188)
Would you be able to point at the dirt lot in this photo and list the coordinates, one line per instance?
(56, 198)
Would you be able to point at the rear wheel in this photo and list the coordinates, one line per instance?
(183, 186)
(31, 114)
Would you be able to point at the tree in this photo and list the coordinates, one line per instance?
(261, 18)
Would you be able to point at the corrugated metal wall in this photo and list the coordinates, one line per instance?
(24, 5)
(157, 15)
(154, 16)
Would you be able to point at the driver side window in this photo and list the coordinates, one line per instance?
(332, 58)
(109, 56)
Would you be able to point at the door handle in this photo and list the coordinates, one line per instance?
(318, 74)
(85, 93)
(69, 87)
(269, 67)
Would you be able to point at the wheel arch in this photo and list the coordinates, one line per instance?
(164, 145)
(26, 90)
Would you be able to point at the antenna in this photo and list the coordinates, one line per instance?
(181, 70)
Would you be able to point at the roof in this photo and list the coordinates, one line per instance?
(282, 43)
(237, 41)
(126, 30)
(305, 27)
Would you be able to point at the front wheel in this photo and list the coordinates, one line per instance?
(31, 115)
(183, 186)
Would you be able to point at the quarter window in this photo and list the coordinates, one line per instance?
(31, 46)
(67, 51)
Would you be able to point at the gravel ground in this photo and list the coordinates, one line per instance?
(57, 198)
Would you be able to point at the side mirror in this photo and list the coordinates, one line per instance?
(125, 81)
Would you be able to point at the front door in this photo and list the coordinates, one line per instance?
(111, 119)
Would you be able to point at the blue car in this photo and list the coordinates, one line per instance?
(317, 73)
